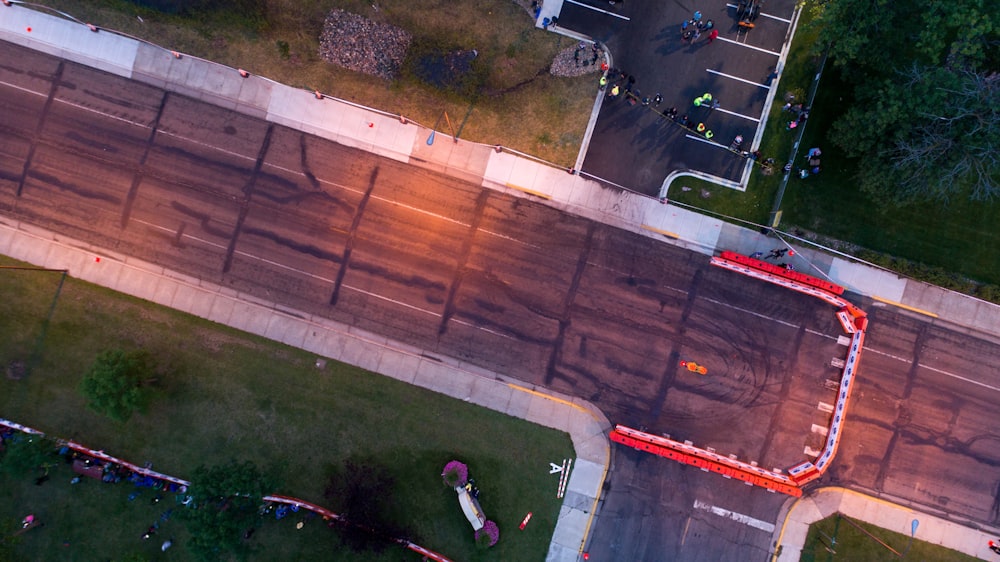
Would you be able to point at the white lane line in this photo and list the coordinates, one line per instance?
(959, 377)
(393, 301)
(737, 78)
(757, 314)
(929, 368)
(733, 113)
(738, 517)
(173, 231)
(206, 145)
(23, 89)
(761, 49)
(596, 9)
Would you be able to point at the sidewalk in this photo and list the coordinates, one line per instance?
(496, 168)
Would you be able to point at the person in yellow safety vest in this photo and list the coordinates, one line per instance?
(706, 98)
(701, 127)
(709, 134)
(604, 81)
(614, 91)
(697, 102)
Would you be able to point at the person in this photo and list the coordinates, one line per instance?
(713, 36)
(657, 99)
(166, 544)
(803, 173)
(603, 82)
(814, 152)
(614, 92)
(757, 255)
(672, 113)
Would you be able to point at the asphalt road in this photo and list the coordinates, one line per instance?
(634, 146)
(511, 285)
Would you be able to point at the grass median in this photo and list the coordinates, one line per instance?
(836, 538)
(223, 394)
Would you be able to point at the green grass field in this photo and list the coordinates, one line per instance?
(224, 394)
(834, 539)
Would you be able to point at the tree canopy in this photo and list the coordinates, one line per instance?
(226, 503)
(114, 384)
(25, 452)
(923, 111)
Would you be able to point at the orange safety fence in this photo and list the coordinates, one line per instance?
(854, 321)
(778, 270)
(690, 455)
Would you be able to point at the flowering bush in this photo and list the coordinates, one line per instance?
(488, 535)
(455, 474)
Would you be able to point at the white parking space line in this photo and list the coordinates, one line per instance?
(733, 113)
(776, 18)
(738, 517)
(589, 7)
(704, 140)
(737, 78)
(761, 49)
(735, 7)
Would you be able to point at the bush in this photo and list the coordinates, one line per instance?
(455, 474)
(488, 535)
(114, 384)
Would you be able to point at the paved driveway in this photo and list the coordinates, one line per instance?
(634, 146)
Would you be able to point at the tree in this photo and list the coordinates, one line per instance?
(114, 385)
(922, 111)
(24, 452)
(226, 503)
(362, 495)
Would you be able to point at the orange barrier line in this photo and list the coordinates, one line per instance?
(667, 449)
(777, 270)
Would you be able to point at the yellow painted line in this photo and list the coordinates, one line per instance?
(529, 191)
(901, 305)
(667, 233)
(547, 397)
(607, 457)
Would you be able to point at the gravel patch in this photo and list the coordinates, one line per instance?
(362, 45)
(578, 60)
(357, 43)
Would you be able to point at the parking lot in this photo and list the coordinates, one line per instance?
(635, 146)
